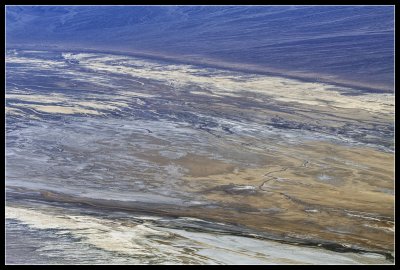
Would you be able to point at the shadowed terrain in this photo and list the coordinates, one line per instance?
(352, 45)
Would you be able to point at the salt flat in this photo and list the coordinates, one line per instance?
(291, 171)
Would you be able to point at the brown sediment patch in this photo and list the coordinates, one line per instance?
(335, 196)
(193, 165)
(200, 166)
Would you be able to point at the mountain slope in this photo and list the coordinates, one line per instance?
(350, 44)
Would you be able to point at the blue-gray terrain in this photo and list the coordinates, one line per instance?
(352, 45)
(199, 135)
